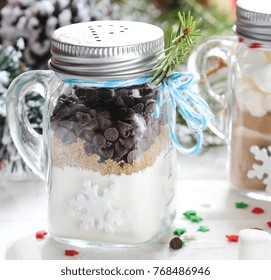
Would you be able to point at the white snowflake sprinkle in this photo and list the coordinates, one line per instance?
(261, 171)
(95, 210)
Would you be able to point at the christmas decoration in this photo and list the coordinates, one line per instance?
(91, 208)
(241, 205)
(257, 210)
(41, 234)
(71, 253)
(261, 171)
(178, 44)
(232, 238)
(33, 21)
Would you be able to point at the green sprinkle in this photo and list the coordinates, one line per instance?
(179, 231)
(195, 219)
(241, 205)
(190, 213)
(203, 229)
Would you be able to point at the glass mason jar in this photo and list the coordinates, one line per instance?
(106, 151)
(108, 133)
(245, 109)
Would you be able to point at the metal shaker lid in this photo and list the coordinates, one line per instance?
(106, 49)
(254, 19)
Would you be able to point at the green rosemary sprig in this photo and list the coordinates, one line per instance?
(178, 45)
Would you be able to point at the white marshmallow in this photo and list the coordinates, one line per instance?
(254, 244)
(252, 101)
(262, 78)
(250, 61)
(26, 248)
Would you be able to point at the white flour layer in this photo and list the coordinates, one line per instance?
(143, 199)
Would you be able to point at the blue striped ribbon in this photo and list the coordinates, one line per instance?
(190, 104)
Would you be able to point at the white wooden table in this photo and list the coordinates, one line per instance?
(202, 186)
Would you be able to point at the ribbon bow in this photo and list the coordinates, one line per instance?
(190, 104)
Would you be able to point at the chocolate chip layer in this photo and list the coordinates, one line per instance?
(116, 124)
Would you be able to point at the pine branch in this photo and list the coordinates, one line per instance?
(178, 45)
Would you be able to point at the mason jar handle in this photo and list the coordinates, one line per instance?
(27, 141)
(220, 47)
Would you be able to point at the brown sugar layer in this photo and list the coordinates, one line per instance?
(74, 155)
(242, 160)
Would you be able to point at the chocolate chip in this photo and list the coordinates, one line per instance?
(120, 102)
(104, 123)
(108, 144)
(124, 129)
(120, 151)
(93, 113)
(99, 141)
(62, 98)
(69, 138)
(111, 134)
(71, 100)
(81, 93)
(129, 114)
(150, 106)
(77, 129)
(121, 142)
(82, 119)
(122, 91)
(105, 114)
(176, 243)
(79, 108)
(67, 124)
(107, 153)
(138, 108)
(88, 148)
(128, 100)
(106, 94)
(132, 156)
(146, 91)
(88, 135)
(61, 111)
(128, 142)
(60, 132)
(93, 125)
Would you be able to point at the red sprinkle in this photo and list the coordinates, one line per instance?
(257, 228)
(255, 45)
(241, 40)
(269, 224)
(41, 234)
(257, 210)
(71, 253)
(233, 238)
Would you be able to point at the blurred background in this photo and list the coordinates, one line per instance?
(25, 29)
